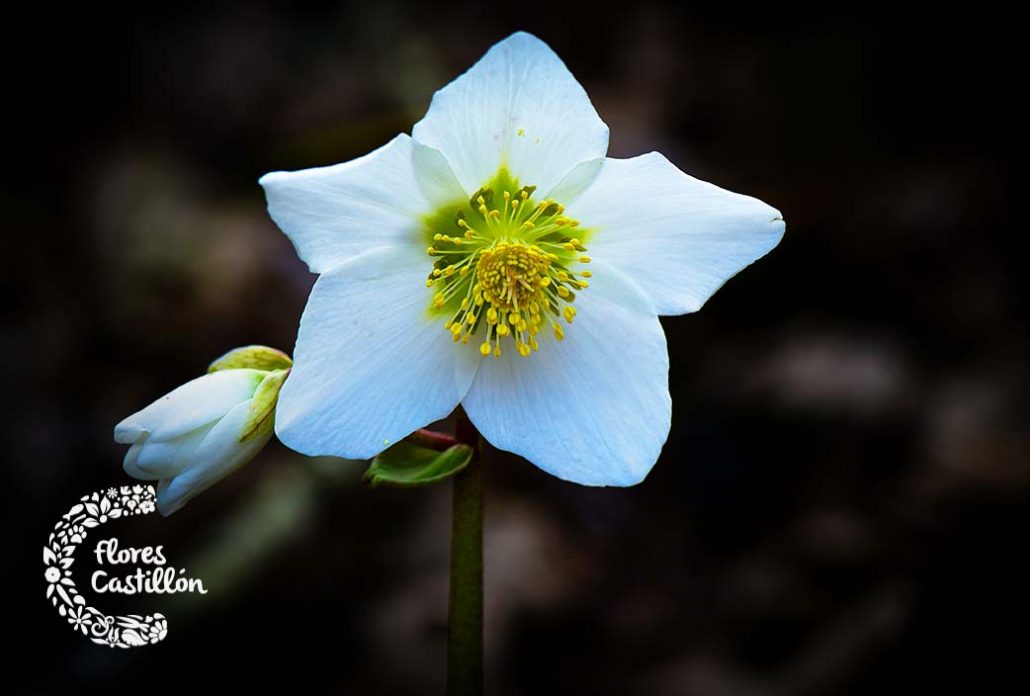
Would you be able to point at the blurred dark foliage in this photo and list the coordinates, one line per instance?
(842, 502)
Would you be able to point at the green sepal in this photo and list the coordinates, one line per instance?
(406, 465)
(260, 417)
(252, 357)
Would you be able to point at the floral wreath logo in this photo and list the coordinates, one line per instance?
(92, 511)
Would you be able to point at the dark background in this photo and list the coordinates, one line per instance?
(842, 504)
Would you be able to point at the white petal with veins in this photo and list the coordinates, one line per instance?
(332, 214)
(371, 364)
(677, 237)
(520, 107)
(594, 408)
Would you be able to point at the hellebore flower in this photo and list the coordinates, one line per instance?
(455, 270)
(201, 432)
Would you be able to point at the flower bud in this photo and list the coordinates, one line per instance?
(201, 432)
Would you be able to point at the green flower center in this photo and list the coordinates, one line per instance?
(506, 267)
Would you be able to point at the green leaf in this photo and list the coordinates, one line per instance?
(252, 357)
(260, 416)
(406, 464)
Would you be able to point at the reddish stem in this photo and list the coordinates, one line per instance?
(433, 440)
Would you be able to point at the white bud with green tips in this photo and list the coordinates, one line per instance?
(201, 432)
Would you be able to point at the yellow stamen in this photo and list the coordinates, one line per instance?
(511, 271)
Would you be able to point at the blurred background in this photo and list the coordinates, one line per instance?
(843, 500)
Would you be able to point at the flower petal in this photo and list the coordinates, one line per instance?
(186, 408)
(678, 238)
(215, 457)
(594, 408)
(131, 457)
(332, 214)
(518, 106)
(577, 181)
(371, 365)
(164, 459)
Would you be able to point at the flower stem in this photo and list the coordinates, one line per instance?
(433, 440)
(465, 611)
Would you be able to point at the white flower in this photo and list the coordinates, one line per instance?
(201, 432)
(454, 269)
